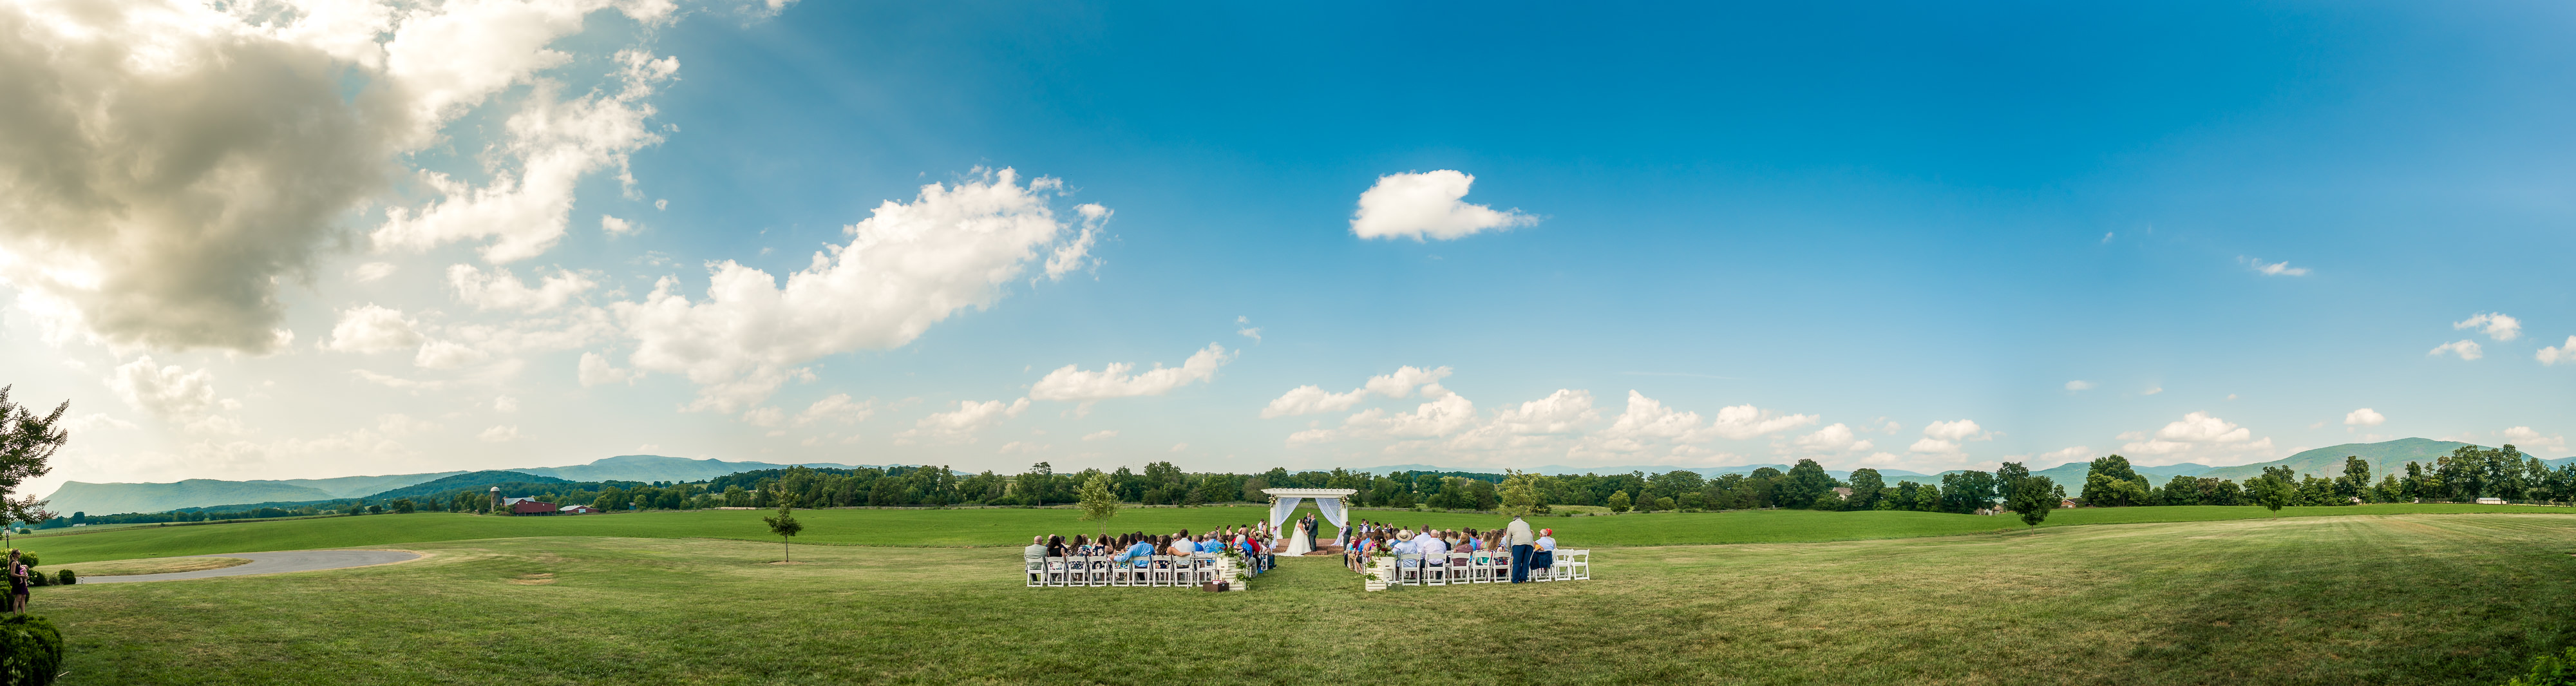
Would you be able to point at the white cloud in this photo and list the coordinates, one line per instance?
(2496, 325)
(499, 434)
(1247, 330)
(1071, 383)
(1180, 447)
(505, 404)
(96, 421)
(961, 425)
(2198, 433)
(2061, 456)
(372, 272)
(1022, 448)
(1563, 411)
(908, 266)
(2364, 417)
(2276, 268)
(372, 329)
(181, 159)
(1647, 423)
(595, 370)
(1312, 399)
(1833, 438)
(2079, 385)
(614, 226)
(1101, 435)
(2525, 438)
(1405, 379)
(448, 355)
(170, 392)
(2466, 349)
(502, 290)
(2152, 390)
(2565, 352)
(555, 142)
(1945, 438)
(1414, 205)
(837, 408)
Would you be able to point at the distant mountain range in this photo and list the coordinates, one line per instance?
(115, 498)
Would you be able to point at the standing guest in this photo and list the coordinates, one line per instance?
(1518, 536)
(17, 584)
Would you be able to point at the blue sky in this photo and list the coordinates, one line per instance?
(1905, 237)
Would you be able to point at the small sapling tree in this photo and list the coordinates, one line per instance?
(1098, 503)
(785, 525)
(1519, 494)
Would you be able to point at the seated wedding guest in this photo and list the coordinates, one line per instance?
(1140, 553)
(1543, 555)
(1055, 546)
(1036, 553)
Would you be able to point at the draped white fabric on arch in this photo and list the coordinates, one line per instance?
(1284, 502)
(1280, 508)
(1332, 508)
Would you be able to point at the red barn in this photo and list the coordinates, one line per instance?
(530, 506)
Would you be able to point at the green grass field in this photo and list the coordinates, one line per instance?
(1012, 527)
(2376, 598)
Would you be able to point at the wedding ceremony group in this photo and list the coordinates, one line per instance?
(1385, 554)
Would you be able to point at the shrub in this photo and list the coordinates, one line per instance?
(66, 577)
(2550, 670)
(31, 651)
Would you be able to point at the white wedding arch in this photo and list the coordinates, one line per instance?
(1284, 501)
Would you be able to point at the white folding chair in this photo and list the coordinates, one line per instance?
(1408, 569)
(1037, 572)
(1461, 567)
(1579, 563)
(1485, 567)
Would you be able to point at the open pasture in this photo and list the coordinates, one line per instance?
(2382, 599)
(1012, 527)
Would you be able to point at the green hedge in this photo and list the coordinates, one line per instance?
(2550, 670)
(31, 651)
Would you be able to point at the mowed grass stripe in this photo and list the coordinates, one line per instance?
(1012, 527)
(2363, 599)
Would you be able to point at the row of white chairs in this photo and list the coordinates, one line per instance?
(1104, 570)
(1470, 568)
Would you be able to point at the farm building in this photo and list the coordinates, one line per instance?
(578, 510)
(528, 506)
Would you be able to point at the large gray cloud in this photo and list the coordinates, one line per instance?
(166, 164)
(160, 182)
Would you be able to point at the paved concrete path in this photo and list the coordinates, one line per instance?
(270, 563)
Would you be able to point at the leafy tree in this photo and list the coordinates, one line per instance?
(1966, 492)
(1804, 485)
(2031, 497)
(2273, 489)
(1866, 487)
(1519, 495)
(1098, 504)
(27, 441)
(1665, 504)
(404, 506)
(2355, 482)
(1619, 502)
(785, 525)
(2110, 482)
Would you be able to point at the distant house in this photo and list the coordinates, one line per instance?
(578, 510)
(2066, 503)
(1841, 492)
(528, 506)
(2481, 501)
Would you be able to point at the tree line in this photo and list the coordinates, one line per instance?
(2465, 475)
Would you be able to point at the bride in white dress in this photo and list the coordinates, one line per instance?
(1301, 540)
